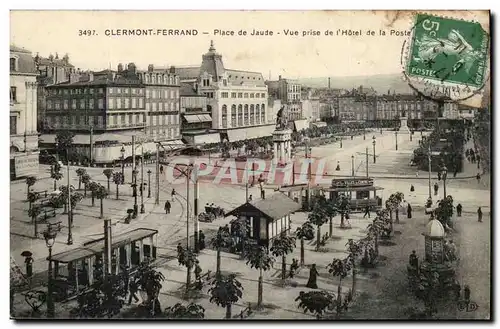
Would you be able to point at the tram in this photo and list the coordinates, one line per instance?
(361, 192)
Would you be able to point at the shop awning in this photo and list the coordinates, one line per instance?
(353, 189)
(207, 139)
(81, 139)
(300, 125)
(192, 118)
(319, 124)
(250, 133)
(205, 117)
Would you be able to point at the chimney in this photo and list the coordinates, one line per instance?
(131, 68)
(172, 69)
(120, 68)
(150, 67)
(279, 77)
(329, 86)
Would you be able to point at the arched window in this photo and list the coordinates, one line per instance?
(245, 114)
(146, 78)
(257, 114)
(252, 115)
(263, 114)
(233, 115)
(224, 116)
(240, 115)
(13, 64)
(153, 79)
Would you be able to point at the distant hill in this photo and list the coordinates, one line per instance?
(381, 83)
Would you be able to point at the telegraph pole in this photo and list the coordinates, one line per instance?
(352, 165)
(367, 162)
(107, 267)
(70, 220)
(142, 179)
(157, 197)
(133, 159)
(429, 161)
(196, 223)
(187, 206)
(91, 145)
(308, 157)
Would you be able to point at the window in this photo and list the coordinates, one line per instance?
(127, 103)
(251, 95)
(224, 95)
(262, 114)
(206, 82)
(13, 124)
(13, 94)
(118, 103)
(160, 106)
(101, 103)
(66, 104)
(148, 106)
(233, 95)
(49, 105)
(111, 103)
(240, 95)
(224, 82)
(245, 113)
(73, 104)
(110, 90)
(65, 92)
(133, 91)
(141, 103)
(246, 95)
(13, 64)
(82, 103)
(240, 115)
(91, 103)
(91, 91)
(148, 93)
(252, 115)
(257, 114)
(224, 116)
(257, 95)
(263, 95)
(233, 115)
(153, 106)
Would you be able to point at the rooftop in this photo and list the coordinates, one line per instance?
(274, 206)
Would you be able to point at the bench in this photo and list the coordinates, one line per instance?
(45, 214)
(39, 194)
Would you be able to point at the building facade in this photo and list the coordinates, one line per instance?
(161, 102)
(236, 100)
(23, 113)
(393, 106)
(289, 92)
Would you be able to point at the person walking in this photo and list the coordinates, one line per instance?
(201, 240)
(436, 188)
(412, 188)
(161, 169)
(479, 215)
(293, 268)
(367, 212)
(173, 194)
(262, 194)
(167, 207)
(459, 210)
(133, 289)
(439, 175)
(478, 177)
(313, 275)
(408, 211)
(250, 198)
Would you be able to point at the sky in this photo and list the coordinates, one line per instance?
(299, 56)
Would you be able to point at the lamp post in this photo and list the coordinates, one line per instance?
(396, 134)
(134, 190)
(364, 133)
(444, 172)
(352, 165)
(70, 212)
(122, 151)
(374, 142)
(149, 183)
(142, 179)
(430, 168)
(50, 238)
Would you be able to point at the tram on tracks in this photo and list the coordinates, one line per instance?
(361, 192)
(75, 270)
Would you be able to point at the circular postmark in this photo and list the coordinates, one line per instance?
(446, 58)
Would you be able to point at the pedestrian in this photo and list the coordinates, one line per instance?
(250, 198)
(478, 177)
(293, 268)
(167, 207)
(133, 289)
(479, 215)
(29, 266)
(413, 259)
(467, 294)
(412, 188)
(180, 253)
(455, 172)
(201, 240)
(367, 212)
(459, 210)
(408, 211)
(338, 166)
(313, 275)
(439, 175)
(436, 188)
(161, 169)
(452, 250)
(197, 271)
(173, 194)
(262, 194)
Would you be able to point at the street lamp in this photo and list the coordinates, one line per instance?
(122, 151)
(142, 179)
(352, 165)
(444, 173)
(364, 133)
(134, 191)
(396, 134)
(374, 142)
(50, 238)
(340, 141)
(149, 183)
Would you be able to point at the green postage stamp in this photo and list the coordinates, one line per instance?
(448, 50)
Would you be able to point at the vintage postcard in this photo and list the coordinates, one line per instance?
(246, 165)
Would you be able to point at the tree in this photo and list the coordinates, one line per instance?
(30, 181)
(100, 193)
(108, 173)
(444, 211)
(339, 267)
(64, 142)
(187, 258)
(225, 292)
(240, 229)
(375, 228)
(34, 212)
(258, 258)
(150, 281)
(56, 174)
(354, 248)
(305, 232)
(80, 172)
(343, 207)
(429, 290)
(283, 245)
(105, 299)
(221, 240)
(85, 181)
(396, 199)
(93, 187)
(31, 198)
(316, 301)
(179, 311)
(75, 198)
(330, 211)
(118, 179)
(317, 217)
(389, 206)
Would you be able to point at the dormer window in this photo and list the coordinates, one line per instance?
(224, 82)
(13, 64)
(206, 82)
